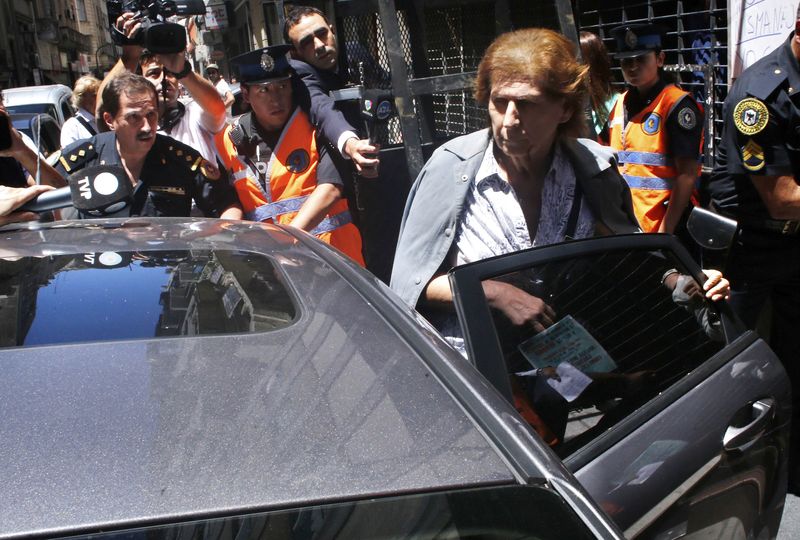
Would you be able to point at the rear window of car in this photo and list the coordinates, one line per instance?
(135, 295)
(487, 514)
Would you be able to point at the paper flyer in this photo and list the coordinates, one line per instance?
(567, 341)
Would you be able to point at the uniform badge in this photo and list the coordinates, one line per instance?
(631, 39)
(267, 63)
(298, 161)
(750, 116)
(209, 170)
(753, 156)
(687, 118)
(651, 124)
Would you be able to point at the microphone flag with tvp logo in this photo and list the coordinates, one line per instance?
(99, 190)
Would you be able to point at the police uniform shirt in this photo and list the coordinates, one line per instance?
(761, 135)
(172, 176)
(684, 125)
(259, 143)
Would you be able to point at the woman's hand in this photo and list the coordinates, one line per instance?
(520, 307)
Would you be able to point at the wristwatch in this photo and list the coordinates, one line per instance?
(187, 68)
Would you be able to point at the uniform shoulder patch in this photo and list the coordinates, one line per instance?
(687, 118)
(752, 156)
(750, 116)
(74, 158)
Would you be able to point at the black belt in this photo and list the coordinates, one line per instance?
(787, 227)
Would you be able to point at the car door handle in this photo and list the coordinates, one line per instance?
(737, 437)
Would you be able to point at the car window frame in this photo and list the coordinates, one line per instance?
(483, 345)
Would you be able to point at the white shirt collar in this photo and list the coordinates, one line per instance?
(86, 114)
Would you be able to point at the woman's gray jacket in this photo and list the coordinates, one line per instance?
(438, 194)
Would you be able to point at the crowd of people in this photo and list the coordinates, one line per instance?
(541, 173)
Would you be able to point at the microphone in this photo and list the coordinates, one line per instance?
(376, 107)
(99, 191)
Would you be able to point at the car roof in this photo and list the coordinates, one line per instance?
(335, 406)
(34, 94)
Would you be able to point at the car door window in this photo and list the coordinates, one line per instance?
(623, 326)
(66, 110)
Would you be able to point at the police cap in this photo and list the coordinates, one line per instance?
(263, 65)
(637, 39)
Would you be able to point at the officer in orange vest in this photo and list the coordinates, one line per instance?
(657, 129)
(281, 172)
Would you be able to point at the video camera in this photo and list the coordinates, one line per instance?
(157, 35)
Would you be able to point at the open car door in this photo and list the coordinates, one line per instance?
(671, 415)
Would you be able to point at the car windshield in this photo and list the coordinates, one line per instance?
(486, 514)
(134, 295)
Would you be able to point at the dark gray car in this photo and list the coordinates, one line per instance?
(211, 379)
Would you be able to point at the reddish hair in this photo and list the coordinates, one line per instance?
(539, 57)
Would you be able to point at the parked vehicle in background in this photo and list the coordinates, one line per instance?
(42, 129)
(51, 99)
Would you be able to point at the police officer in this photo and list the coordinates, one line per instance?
(755, 181)
(279, 170)
(167, 174)
(657, 129)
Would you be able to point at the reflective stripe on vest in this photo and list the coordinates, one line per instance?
(644, 158)
(278, 208)
(650, 183)
(332, 223)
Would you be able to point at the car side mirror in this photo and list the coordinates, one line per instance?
(711, 231)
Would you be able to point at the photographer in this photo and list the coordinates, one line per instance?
(19, 160)
(194, 124)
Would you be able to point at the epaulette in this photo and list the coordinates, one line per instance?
(76, 156)
(184, 155)
(767, 82)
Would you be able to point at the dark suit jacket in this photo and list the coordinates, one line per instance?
(330, 119)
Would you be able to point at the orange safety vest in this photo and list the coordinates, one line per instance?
(642, 153)
(292, 173)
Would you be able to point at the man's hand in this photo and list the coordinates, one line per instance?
(364, 156)
(173, 62)
(716, 286)
(12, 198)
(130, 27)
(520, 307)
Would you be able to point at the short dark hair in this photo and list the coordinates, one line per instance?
(146, 57)
(127, 82)
(295, 14)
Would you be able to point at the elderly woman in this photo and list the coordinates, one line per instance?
(82, 125)
(527, 181)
